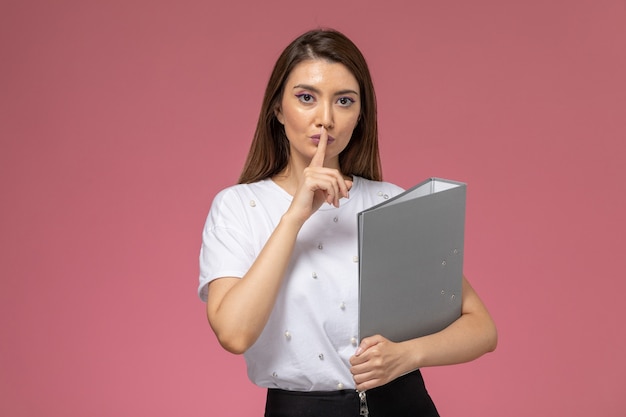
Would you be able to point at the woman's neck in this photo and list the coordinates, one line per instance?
(289, 178)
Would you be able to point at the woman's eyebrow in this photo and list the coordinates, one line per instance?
(317, 91)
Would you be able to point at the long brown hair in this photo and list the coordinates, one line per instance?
(269, 151)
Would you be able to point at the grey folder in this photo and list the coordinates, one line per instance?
(411, 261)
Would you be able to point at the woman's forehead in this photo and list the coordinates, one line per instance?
(322, 73)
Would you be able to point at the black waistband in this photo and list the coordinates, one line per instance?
(313, 394)
(405, 396)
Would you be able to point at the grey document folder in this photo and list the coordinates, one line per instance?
(411, 261)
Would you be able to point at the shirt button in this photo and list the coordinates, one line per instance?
(252, 203)
(340, 386)
(314, 275)
(287, 335)
(353, 341)
(336, 219)
(320, 246)
(342, 306)
(355, 259)
(321, 356)
(274, 374)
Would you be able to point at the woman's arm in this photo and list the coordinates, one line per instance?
(238, 308)
(378, 360)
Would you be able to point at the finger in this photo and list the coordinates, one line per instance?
(348, 185)
(369, 384)
(340, 187)
(325, 181)
(337, 188)
(320, 153)
(332, 192)
(345, 186)
(356, 363)
(366, 380)
(364, 377)
(336, 191)
(367, 343)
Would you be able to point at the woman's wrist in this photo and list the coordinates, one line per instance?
(292, 220)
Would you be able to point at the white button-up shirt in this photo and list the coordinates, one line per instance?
(312, 331)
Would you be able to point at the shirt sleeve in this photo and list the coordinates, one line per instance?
(226, 249)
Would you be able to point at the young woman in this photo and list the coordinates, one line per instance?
(278, 264)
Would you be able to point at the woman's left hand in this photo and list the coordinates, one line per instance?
(377, 361)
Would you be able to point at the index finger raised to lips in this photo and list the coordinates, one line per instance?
(320, 153)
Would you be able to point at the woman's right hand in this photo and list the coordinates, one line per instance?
(319, 184)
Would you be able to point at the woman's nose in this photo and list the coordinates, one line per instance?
(325, 116)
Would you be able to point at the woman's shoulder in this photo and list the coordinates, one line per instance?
(236, 203)
(383, 187)
(238, 191)
(260, 193)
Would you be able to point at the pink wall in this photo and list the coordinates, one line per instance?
(120, 120)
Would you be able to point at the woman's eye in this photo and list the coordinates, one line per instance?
(345, 101)
(305, 98)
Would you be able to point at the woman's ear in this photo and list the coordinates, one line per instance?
(279, 114)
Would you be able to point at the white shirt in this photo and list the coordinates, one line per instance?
(312, 330)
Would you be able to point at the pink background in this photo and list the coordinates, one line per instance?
(120, 120)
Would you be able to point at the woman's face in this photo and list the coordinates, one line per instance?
(319, 93)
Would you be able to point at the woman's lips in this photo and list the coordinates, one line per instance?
(316, 139)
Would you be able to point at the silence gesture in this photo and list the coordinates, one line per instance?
(319, 184)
